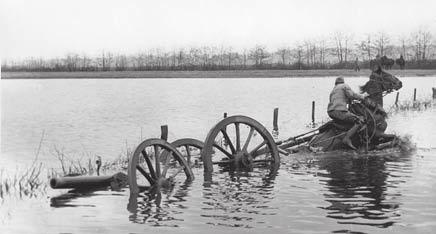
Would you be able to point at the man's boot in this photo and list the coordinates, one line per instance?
(349, 134)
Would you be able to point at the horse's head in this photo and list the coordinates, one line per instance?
(381, 81)
(389, 82)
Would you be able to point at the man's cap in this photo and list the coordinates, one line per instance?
(339, 80)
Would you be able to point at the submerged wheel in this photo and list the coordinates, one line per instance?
(147, 169)
(189, 148)
(242, 142)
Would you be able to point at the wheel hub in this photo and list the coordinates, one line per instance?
(243, 160)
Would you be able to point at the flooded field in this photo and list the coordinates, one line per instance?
(335, 192)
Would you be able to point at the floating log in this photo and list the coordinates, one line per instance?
(86, 182)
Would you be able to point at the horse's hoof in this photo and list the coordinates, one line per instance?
(349, 144)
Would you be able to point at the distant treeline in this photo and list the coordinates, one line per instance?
(338, 52)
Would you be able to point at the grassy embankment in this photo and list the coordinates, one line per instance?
(34, 181)
(206, 74)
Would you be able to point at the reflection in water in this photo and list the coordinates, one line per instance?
(67, 199)
(154, 206)
(238, 197)
(362, 189)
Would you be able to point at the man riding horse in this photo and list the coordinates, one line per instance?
(337, 109)
(367, 115)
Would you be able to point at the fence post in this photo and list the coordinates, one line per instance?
(275, 119)
(414, 94)
(313, 112)
(164, 132)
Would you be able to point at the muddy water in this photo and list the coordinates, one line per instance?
(374, 193)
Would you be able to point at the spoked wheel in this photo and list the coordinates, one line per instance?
(148, 170)
(190, 149)
(242, 142)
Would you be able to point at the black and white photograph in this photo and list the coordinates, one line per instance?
(217, 116)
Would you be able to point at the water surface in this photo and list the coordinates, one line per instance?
(374, 193)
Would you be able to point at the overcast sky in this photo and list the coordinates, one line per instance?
(54, 27)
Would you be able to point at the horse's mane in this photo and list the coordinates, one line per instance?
(363, 87)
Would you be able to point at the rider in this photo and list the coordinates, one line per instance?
(340, 96)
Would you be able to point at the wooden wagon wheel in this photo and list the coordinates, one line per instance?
(247, 144)
(189, 148)
(152, 170)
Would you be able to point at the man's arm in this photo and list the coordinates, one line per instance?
(351, 94)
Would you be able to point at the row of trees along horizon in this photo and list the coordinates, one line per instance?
(338, 52)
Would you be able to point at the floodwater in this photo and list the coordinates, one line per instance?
(336, 192)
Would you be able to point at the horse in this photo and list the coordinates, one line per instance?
(401, 62)
(384, 62)
(373, 130)
(387, 63)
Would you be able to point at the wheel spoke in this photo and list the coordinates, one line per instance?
(188, 154)
(247, 142)
(227, 138)
(257, 147)
(149, 164)
(224, 162)
(223, 150)
(145, 174)
(238, 137)
(157, 161)
(261, 151)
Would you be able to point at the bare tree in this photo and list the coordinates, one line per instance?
(365, 47)
(381, 43)
(283, 53)
(322, 52)
(339, 38)
(244, 58)
(297, 53)
(259, 54)
(120, 62)
(403, 47)
(421, 43)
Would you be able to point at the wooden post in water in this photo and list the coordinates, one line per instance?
(313, 112)
(434, 92)
(414, 94)
(225, 115)
(164, 132)
(275, 119)
(396, 99)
